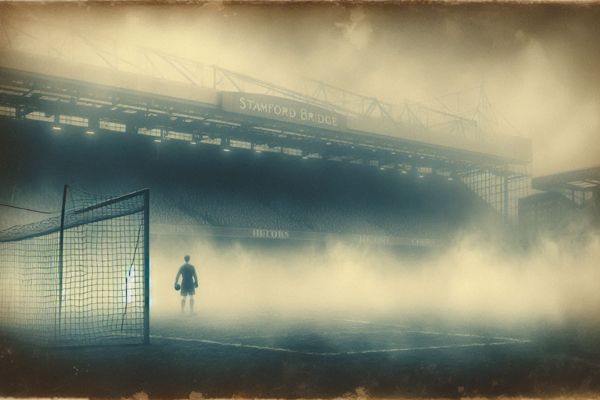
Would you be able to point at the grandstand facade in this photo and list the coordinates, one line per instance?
(242, 157)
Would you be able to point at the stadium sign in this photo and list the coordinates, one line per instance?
(270, 234)
(281, 109)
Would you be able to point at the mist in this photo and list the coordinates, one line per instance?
(536, 64)
(471, 282)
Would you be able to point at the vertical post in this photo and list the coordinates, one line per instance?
(61, 242)
(506, 199)
(147, 266)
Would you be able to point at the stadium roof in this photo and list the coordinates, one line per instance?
(586, 180)
(33, 83)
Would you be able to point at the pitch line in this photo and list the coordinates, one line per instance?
(403, 327)
(341, 353)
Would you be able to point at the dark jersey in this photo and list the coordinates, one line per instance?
(188, 276)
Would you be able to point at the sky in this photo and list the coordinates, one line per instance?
(537, 64)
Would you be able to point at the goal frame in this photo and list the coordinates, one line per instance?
(64, 226)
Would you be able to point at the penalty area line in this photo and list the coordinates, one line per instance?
(327, 354)
(404, 329)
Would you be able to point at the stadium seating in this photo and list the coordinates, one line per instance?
(241, 189)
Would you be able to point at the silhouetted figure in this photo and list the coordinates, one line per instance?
(189, 283)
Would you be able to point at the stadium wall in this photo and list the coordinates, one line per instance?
(205, 191)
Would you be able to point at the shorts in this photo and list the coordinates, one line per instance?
(188, 291)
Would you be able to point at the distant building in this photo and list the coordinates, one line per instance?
(568, 202)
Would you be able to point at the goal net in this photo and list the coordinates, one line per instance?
(81, 277)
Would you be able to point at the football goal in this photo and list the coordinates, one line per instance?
(80, 277)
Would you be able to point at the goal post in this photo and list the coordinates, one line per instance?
(81, 277)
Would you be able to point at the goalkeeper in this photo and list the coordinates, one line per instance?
(189, 283)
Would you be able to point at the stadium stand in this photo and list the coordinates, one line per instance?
(203, 186)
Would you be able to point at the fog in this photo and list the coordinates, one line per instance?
(536, 63)
(471, 282)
